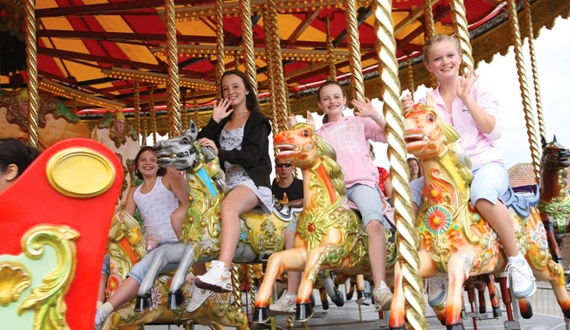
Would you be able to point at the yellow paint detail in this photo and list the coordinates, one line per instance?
(80, 173)
(14, 279)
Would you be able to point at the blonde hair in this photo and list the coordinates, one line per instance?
(439, 38)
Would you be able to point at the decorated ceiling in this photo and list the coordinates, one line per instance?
(97, 47)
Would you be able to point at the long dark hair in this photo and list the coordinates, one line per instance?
(15, 152)
(251, 102)
(325, 84)
(161, 170)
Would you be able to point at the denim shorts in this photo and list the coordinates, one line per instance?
(369, 203)
(293, 225)
(106, 266)
(490, 181)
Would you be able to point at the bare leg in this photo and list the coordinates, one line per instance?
(293, 278)
(377, 251)
(237, 201)
(126, 292)
(499, 218)
(102, 286)
(177, 218)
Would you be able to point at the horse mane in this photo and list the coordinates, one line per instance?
(457, 152)
(328, 157)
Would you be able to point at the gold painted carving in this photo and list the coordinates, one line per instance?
(80, 173)
(14, 279)
(47, 301)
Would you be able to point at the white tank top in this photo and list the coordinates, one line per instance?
(155, 209)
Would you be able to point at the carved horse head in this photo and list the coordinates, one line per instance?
(180, 151)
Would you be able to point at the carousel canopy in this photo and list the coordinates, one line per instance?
(91, 51)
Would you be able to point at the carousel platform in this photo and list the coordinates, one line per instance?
(547, 315)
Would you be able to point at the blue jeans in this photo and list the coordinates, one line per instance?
(490, 181)
(368, 201)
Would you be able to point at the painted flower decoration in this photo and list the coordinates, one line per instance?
(438, 219)
(436, 193)
(155, 296)
(113, 284)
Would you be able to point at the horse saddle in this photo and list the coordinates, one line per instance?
(521, 203)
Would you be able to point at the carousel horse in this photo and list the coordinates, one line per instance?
(554, 203)
(261, 233)
(453, 237)
(126, 246)
(330, 236)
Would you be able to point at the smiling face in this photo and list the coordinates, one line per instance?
(147, 165)
(234, 89)
(414, 166)
(332, 101)
(444, 60)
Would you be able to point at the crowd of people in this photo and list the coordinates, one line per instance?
(239, 134)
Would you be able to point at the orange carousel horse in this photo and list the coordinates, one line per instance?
(554, 203)
(329, 235)
(454, 239)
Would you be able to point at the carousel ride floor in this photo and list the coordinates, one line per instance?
(341, 318)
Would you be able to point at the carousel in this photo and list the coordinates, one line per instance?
(89, 83)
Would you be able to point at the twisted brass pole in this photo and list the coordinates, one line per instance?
(411, 78)
(247, 37)
(144, 123)
(236, 287)
(220, 63)
(152, 115)
(281, 94)
(196, 115)
(528, 116)
(534, 67)
(32, 63)
(330, 52)
(184, 112)
(356, 77)
(270, 73)
(429, 33)
(137, 106)
(172, 86)
(460, 25)
(397, 155)
(251, 284)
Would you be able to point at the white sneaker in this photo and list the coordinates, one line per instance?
(100, 317)
(522, 279)
(197, 298)
(284, 305)
(217, 279)
(437, 290)
(382, 299)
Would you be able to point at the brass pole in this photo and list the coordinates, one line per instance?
(356, 77)
(429, 33)
(411, 78)
(184, 113)
(172, 86)
(460, 25)
(270, 72)
(397, 155)
(281, 94)
(32, 63)
(236, 287)
(220, 63)
(144, 128)
(137, 107)
(528, 116)
(330, 52)
(152, 115)
(196, 115)
(247, 36)
(538, 99)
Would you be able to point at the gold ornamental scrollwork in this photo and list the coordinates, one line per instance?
(14, 279)
(47, 301)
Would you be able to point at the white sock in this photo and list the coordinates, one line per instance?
(108, 308)
(519, 258)
(383, 285)
(99, 304)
